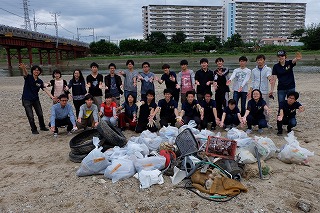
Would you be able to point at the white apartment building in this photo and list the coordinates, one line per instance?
(252, 19)
(195, 21)
(255, 20)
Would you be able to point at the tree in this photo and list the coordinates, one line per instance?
(130, 45)
(212, 41)
(104, 47)
(179, 37)
(158, 42)
(234, 41)
(297, 33)
(312, 38)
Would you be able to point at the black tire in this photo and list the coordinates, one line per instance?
(82, 143)
(112, 135)
(76, 158)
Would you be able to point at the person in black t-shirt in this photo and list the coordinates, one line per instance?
(255, 112)
(231, 116)
(146, 116)
(220, 77)
(287, 112)
(170, 79)
(210, 112)
(190, 110)
(94, 83)
(113, 84)
(168, 109)
(203, 79)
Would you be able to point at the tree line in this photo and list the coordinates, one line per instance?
(158, 43)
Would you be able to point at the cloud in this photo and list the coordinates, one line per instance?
(118, 19)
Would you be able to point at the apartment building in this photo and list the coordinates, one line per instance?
(195, 21)
(255, 20)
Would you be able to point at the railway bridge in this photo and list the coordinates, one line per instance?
(23, 44)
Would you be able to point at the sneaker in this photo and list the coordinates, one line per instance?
(69, 133)
(269, 126)
(55, 135)
(279, 133)
(260, 131)
(35, 132)
(249, 131)
(228, 127)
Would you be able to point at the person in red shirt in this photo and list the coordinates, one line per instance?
(108, 110)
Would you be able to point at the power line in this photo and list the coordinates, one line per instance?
(67, 30)
(11, 13)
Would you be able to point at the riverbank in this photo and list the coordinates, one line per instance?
(37, 176)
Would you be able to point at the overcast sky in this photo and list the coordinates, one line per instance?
(120, 19)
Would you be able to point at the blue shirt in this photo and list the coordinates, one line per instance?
(31, 88)
(285, 75)
(129, 110)
(256, 108)
(145, 82)
(57, 112)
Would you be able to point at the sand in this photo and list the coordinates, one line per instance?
(37, 176)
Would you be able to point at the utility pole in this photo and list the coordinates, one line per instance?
(27, 24)
(85, 29)
(55, 24)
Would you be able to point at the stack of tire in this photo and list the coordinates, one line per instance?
(81, 144)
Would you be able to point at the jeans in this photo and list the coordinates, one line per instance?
(262, 123)
(63, 122)
(283, 93)
(77, 104)
(291, 122)
(112, 120)
(37, 108)
(243, 95)
(231, 120)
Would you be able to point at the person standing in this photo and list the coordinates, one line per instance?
(283, 71)
(185, 80)
(261, 77)
(58, 85)
(203, 79)
(78, 86)
(113, 84)
(30, 96)
(170, 79)
(146, 78)
(94, 82)
(221, 89)
(240, 86)
(130, 80)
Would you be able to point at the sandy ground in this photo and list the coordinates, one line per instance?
(37, 176)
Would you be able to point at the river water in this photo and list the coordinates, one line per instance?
(302, 66)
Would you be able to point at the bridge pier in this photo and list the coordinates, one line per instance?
(9, 58)
(40, 56)
(30, 55)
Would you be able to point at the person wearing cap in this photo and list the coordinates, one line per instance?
(94, 83)
(203, 79)
(283, 71)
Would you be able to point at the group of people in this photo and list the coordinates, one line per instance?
(193, 89)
